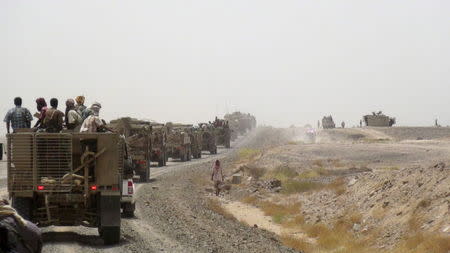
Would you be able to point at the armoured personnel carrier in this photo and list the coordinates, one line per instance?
(67, 179)
(178, 144)
(158, 141)
(208, 138)
(222, 132)
(328, 123)
(378, 119)
(138, 135)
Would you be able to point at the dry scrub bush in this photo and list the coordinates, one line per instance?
(215, 206)
(318, 163)
(338, 186)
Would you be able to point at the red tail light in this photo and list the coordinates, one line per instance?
(93, 187)
(40, 188)
(130, 187)
(143, 162)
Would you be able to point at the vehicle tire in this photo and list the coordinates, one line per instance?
(183, 156)
(161, 161)
(145, 176)
(128, 209)
(22, 206)
(110, 235)
(228, 144)
(188, 156)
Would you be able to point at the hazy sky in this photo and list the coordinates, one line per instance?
(287, 62)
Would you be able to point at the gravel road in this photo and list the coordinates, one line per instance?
(172, 216)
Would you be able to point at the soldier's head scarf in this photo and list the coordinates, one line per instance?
(40, 103)
(80, 100)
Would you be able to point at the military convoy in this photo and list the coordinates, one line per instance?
(378, 119)
(68, 179)
(73, 179)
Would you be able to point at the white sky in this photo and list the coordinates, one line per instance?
(287, 62)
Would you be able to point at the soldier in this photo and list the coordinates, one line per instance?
(16, 233)
(73, 118)
(80, 107)
(42, 109)
(18, 117)
(53, 120)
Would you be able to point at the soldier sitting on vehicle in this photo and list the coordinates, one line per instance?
(18, 117)
(16, 233)
(53, 120)
(93, 123)
(80, 107)
(42, 109)
(72, 119)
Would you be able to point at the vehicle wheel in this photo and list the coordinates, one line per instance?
(183, 157)
(228, 145)
(161, 161)
(145, 176)
(128, 209)
(199, 154)
(188, 156)
(22, 206)
(110, 235)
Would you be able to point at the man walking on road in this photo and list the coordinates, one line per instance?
(18, 117)
(217, 176)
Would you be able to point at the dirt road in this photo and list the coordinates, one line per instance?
(171, 216)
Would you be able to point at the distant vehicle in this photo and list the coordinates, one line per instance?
(378, 119)
(208, 138)
(138, 134)
(67, 179)
(222, 132)
(310, 135)
(158, 141)
(178, 144)
(328, 122)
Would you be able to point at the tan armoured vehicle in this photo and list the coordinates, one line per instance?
(222, 132)
(196, 142)
(208, 138)
(138, 134)
(328, 122)
(67, 179)
(178, 144)
(159, 140)
(378, 119)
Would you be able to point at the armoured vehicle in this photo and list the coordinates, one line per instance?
(178, 144)
(67, 179)
(196, 142)
(240, 122)
(208, 138)
(158, 141)
(328, 123)
(378, 119)
(138, 135)
(222, 132)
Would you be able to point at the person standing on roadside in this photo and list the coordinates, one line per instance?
(217, 176)
(18, 117)
(41, 106)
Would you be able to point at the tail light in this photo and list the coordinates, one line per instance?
(130, 187)
(143, 162)
(93, 187)
(40, 188)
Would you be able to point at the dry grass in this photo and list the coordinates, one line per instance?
(422, 242)
(246, 154)
(251, 200)
(255, 172)
(297, 243)
(297, 186)
(215, 206)
(379, 213)
(318, 163)
(279, 213)
(338, 186)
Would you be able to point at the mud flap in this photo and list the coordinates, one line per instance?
(109, 209)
